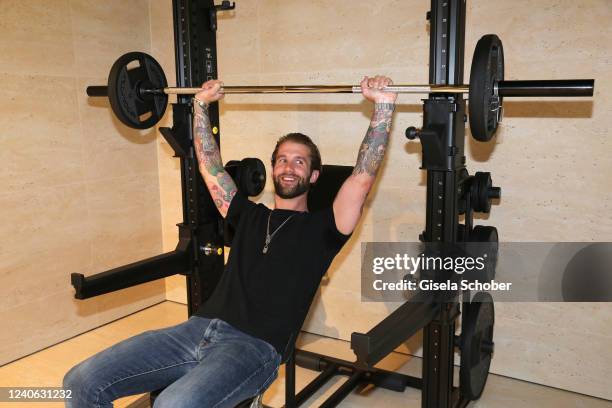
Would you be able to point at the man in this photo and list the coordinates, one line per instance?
(231, 348)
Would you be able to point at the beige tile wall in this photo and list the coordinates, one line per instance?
(551, 157)
(80, 192)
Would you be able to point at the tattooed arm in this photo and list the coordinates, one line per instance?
(348, 204)
(220, 184)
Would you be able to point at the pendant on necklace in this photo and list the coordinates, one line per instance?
(265, 248)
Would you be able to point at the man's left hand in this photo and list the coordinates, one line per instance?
(371, 88)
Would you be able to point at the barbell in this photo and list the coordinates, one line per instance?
(576, 87)
(138, 91)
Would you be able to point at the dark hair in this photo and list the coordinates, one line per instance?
(315, 156)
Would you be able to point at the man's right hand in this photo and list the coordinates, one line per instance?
(210, 91)
(219, 183)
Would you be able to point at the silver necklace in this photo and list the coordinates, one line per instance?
(270, 236)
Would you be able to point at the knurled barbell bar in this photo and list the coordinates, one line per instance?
(139, 95)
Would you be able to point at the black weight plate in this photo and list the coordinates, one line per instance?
(252, 175)
(231, 167)
(133, 108)
(489, 240)
(249, 174)
(476, 345)
(487, 69)
(461, 233)
(483, 183)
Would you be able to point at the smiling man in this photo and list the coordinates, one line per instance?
(230, 350)
(296, 164)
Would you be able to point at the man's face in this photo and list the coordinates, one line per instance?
(291, 173)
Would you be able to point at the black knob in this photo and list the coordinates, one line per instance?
(412, 133)
(495, 192)
(210, 249)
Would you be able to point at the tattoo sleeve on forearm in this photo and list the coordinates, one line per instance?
(223, 188)
(374, 144)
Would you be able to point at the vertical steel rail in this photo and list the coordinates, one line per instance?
(196, 61)
(442, 138)
(290, 398)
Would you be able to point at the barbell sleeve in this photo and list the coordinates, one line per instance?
(97, 91)
(564, 87)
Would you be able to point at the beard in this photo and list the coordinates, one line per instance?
(299, 188)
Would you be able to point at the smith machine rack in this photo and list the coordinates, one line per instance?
(139, 97)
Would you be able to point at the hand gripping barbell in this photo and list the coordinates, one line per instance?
(139, 95)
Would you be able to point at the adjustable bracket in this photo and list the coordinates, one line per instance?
(225, 5)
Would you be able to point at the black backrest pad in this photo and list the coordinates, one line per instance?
(323, 192)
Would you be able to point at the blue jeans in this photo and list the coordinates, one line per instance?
(200, 363)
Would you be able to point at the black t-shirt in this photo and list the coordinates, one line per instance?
(268, 295)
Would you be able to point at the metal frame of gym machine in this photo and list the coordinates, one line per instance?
(197, 254)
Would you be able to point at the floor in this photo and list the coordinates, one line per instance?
(47, 367)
